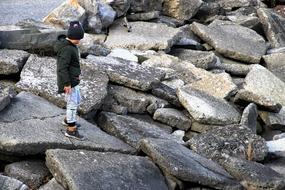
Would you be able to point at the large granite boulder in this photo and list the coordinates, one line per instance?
(173, 118)
(91, 42)
(32, 172)
(129, 129)
(29, 38)
(276, 64)
(186, 165)
(136, 102)
(229, 4)
(277, 165)
(273, 25)
(253, 175)
(52, 185)
(263, 88)
(207, 109)
(143, 36)
(11, 183)
(234, 67)
(39, 77)
(146, 5)
(143, 16)
(219, 85)
(232, 40)
(234, 140)
(181, 9)
(120, 6)
(103, 171)
(39, 128)
(5, 97)
(124, 72)
(12, 61)
(65, 13)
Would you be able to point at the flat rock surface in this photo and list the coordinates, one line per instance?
(52, 185)
(231, 140)
(129, 74)
(276, 64)
(129, 129)
(11, 183)
(207, 109)
(103, 171)
(143, 36)
(41, 129)
(232, 40)
(39, 77)
(264, 87)
(186, 165)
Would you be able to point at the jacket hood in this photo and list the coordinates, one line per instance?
(61, 43)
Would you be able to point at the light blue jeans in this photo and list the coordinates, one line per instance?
(72, 102)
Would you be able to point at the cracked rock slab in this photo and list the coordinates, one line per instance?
(39, 77)
(104, 171)
(129, 129)
(40, 129)
(186, 165)
(232, 40)
(52, 185)
(12, 61)
(129, 74)
(263, 88)
(276, 64)
(207, 109)
(143, 36)
(233, 140)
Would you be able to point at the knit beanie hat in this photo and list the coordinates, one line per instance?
(75, 31)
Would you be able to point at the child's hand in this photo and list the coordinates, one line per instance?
(67, 89)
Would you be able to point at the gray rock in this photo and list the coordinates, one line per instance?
(229, 4)
(39, 77)
(104, 171)
(166, 92)
(169, 21)
(187, 37)
(148, 119)
(273, 25)
(146, 5)
(181, 9)
(129, 129)
(32, 172)
(120, 6)
(246, 21)
(65, 13)
(5, 98)
(44, 119)
(172, 117)
(263, 88)
(249, 117)
(112, 105)
(277, 165)
(16, 37)
(136, 102)
(123, 54)
(52, 185)
(233, 140)
(143, 36)
(232, 40)
(207, 109)
(253, 175)
(186, 165)
(143, 16)
(234, 67)
(202, 128)
(7, 183)
(274, 120)
(124, 72)
(12, 61)
(275, 64)
(201, 59)
(107, 14)
(89, 41)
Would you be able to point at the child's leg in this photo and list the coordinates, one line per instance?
(71, 108)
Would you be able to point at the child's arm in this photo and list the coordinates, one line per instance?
(64, 58)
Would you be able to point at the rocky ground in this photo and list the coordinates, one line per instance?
(176, 94)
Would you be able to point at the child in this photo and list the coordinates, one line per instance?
(68, 72)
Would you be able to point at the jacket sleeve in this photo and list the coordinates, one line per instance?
(64, 58)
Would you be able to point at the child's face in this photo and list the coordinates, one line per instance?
(75, 42)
